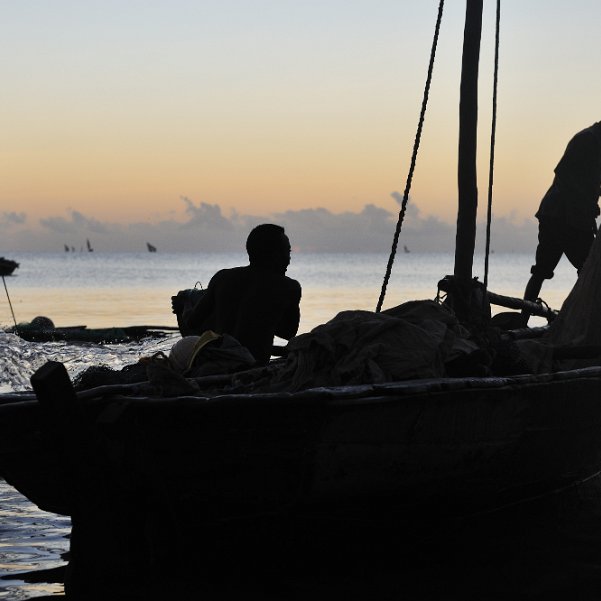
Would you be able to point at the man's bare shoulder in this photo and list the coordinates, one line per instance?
(229, 273)
(293, 285)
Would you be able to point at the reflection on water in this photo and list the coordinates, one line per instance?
(19, 359)
(30, 539)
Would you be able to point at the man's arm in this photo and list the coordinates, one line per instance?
(194, 314)
(287, 327)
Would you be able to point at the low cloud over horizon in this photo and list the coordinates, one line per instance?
(205, 228)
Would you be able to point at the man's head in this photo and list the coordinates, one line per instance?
(268, 246)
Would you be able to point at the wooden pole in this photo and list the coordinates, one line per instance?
(468, 126)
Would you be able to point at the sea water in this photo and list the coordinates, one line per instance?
(121, 289)
(116, 289)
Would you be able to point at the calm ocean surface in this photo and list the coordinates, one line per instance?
(104, 290)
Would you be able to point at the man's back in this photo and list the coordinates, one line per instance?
(250, 303)
(573, 196)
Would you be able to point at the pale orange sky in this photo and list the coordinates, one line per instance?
(116, 109)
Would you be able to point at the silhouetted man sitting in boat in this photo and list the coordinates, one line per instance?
(253, 303)
(568, 210)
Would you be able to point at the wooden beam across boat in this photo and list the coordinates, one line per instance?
(519, 304)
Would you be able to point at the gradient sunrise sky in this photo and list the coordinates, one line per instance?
(116, 108)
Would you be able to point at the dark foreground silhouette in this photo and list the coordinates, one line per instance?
(568, 210)
(253, 303)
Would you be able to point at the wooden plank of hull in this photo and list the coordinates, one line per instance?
(464, 451)
(325, 469)
(31, 456)
(464, 445)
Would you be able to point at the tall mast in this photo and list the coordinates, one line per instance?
(468, 125)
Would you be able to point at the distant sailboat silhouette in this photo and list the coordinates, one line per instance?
(90, 249)
(406, 249)
(151, 248)
(66, 248)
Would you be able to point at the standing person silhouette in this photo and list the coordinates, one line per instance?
(567, 212)
(252, 303)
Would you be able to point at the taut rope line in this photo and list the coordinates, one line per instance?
(413, 160)
(9, 303)
(491, 165)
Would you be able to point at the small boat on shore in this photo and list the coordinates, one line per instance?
(7, 266)
(42, 329)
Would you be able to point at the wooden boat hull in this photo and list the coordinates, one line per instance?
(472, 442)
(135, 472)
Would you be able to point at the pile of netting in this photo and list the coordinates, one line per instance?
(416, 340)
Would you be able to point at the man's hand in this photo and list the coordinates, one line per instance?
(177, 304)
(186, 298)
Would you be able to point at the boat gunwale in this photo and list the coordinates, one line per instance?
(332, 395)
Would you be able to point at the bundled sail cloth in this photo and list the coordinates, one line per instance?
(579, 321)
(415, 340)
(577, 327)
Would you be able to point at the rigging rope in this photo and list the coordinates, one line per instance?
(491, 165)
(418, 134)
(10, 304)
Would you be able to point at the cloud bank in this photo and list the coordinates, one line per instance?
(205, 228)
